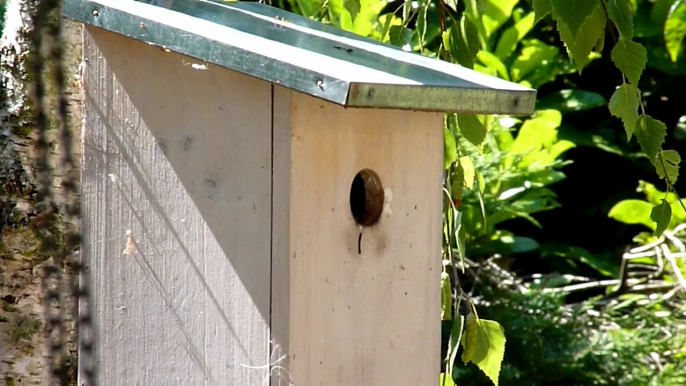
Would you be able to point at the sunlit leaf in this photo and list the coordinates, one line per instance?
(574, 13)
(667, 165)
(536, 133)
(484, 345)
(446, 297)
(650, 134)
(675, 29)
(471, 128)
(633, 212)
(468, 170)
(445, 380)
(457, 186)
(493, 63)
(624, 105)
(454, 340)
(495, 13)
(362, 24)
(511, 37)
(661, 215)
(630, 57)
(449, 148)
(580, 45)
(353, 6)
(620, 13)
(421, 21)
(531, 57)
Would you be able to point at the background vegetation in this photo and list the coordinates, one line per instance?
(554, 222)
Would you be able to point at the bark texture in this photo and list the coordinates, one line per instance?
(22, 342)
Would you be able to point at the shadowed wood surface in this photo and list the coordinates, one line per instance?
(177, 156)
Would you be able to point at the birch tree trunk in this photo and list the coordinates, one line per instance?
(22, 342)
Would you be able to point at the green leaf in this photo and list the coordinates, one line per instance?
(580, 46)
(542, 8)
(469, 171)
(388, 19)
(495, 13)
(632, 212)
(620, 13)
(449, 148)
(630, 57)
(446, 297)
(650, 134)
(660, 10)
(667, 165)
(493, 63)
(574, 13)
(400, 35)
(511, 37)
(600, 44)
(472, 12)
(532, 56)
(454, 340)
(536, 133)
(353, 6)
(624, 105)
(470, 36)
(571, 100)
(407, 9)
(461, 40)
(675, 29)
(484, 345)
(471, 128)
(445, 380)
(661, 215)
(457, 185)
(481, 182)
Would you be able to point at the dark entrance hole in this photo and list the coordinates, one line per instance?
(366, 197)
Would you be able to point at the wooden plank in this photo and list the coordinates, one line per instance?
(178, 155)
(281, 237)
(371, 318)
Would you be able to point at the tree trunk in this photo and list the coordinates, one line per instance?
(22, 341)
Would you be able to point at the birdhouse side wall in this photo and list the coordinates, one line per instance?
(176, 216)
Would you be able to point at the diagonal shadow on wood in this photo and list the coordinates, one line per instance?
(179, 157)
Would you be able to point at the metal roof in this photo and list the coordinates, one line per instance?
(305, 55)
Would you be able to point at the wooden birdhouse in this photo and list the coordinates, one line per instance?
(262, 196)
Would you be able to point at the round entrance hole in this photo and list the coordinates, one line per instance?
(366, 197)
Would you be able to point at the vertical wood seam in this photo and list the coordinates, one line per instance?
(270, 343)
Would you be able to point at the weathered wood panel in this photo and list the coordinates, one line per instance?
(372, 318)
(178, 155)
(281, 237)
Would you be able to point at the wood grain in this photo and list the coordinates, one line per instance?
(179, 156)
(367, 319)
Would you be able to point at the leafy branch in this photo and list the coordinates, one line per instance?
(581, 25)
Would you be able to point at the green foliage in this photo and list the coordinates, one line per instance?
(675, 29)
(633, 212)
(650, 134)
(484, 345)
(651, 212)
(624, 105)
(3, 7)
(588, 343)
(502, 171)
(661, 215)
